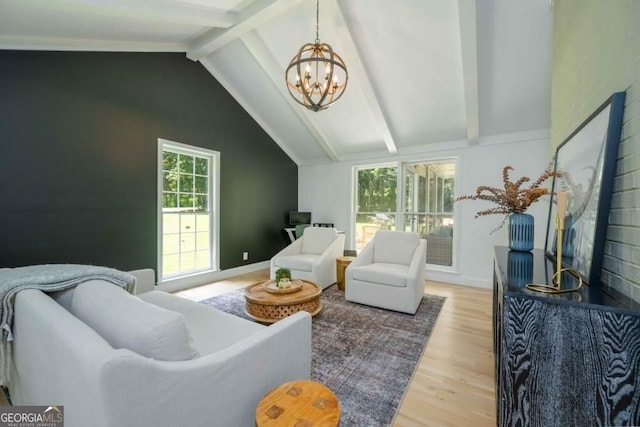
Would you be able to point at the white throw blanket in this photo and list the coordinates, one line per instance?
(47, 278)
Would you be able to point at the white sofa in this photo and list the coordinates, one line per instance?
(388, 272)
(216, 366)
(311, 257)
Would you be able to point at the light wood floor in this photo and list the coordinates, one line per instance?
(454, 383)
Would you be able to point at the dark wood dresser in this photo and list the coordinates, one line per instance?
(566, 359)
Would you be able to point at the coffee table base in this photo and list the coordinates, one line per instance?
(273, 313)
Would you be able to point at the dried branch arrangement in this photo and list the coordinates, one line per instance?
(512, 198)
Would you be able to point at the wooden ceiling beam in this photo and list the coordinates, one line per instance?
(211, 67)
(469, 50)
(358, 72)
(263, 56)
(252, 17)
(143, 10)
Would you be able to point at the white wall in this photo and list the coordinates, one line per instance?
(326, 190)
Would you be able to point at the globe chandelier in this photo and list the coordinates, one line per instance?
(317, 76)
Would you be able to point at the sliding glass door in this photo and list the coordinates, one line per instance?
(428, 194)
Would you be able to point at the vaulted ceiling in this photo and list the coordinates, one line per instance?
(422, 73)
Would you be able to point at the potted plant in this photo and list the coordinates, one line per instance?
(282, 273)
(513, 201)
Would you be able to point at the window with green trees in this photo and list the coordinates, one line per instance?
(416, 196)
(186, 219)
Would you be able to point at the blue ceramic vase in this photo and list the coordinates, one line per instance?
(520, 232)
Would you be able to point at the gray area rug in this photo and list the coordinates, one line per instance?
(365, 355)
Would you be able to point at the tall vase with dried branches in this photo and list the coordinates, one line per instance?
(513, 201)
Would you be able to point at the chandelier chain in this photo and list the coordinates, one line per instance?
(317, 21)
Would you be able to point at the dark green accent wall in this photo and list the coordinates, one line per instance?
(78, 155)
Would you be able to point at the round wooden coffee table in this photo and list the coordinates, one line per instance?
(299, 403)
(268, 307)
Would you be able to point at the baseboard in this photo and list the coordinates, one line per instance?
(193, 280)
(457, 279)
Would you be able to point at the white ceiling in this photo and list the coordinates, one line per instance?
(420, 71)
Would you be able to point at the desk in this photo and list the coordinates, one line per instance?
(291, 232)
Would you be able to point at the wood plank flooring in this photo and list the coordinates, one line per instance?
(454, 382)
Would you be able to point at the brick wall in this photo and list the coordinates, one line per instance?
(596, 51)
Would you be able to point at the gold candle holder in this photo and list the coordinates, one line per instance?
(556, 288)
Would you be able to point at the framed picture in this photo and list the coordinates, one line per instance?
(587, 160)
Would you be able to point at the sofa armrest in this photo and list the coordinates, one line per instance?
(56, 358)
(145, 280)
(365, 256)
(419, 258)
(295, 248)
(325, 266)
(418, 266)
(335, 249)
(223, 387)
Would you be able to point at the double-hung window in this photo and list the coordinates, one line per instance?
(187, 228)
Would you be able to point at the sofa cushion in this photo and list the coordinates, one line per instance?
(126, 321)
(212, 330)
(382, 273)
(395, 247)
(316, 240)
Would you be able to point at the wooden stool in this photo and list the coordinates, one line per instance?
(342, 262)
(298, 404)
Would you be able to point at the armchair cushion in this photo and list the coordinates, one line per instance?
(125, 321)
(302, 262)
(383, 273)
(316, 240)
(392, 247)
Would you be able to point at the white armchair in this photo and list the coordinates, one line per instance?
(311, 257)
(389, 272)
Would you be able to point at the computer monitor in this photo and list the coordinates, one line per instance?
(296, 218)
